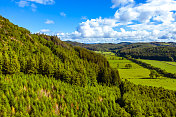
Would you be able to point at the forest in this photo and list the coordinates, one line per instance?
(41, 75)
(153, 53)
(164, 51)
(48, 55)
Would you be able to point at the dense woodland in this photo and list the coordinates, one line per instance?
(153, 50)
(100, 47)
(42, 76)
(38, 95)
(21, 51)
(154, 53)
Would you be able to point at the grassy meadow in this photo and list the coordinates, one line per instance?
(139, 75)
(166, 83)
(165, 65)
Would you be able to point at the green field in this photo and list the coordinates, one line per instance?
(140, 75)
(135, 72)
(166, 83)
(165, 65)
(119, 63)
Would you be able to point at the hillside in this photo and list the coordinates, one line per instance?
(21, 51)
(42, 76)
(37, 95)
(165, 51)
(155, 53)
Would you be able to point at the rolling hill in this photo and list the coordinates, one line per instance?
(42, 76)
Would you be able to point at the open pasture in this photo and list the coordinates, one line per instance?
(164, 65)
(166, 83)
(136, 71)
(139, 75)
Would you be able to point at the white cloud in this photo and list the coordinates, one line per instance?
(49, 21)
(96, 28)
(34, 7)
(63, 14)
(45, 2)
(22, 3)
(154, 20)
(45, 30)
(156, 10)
(117, 3)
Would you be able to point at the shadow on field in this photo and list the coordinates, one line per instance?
(147, 78)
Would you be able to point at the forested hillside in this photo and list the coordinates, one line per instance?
(38, 95)
(155, 53)
(21, 51)
(100, 46)
(165, 51)
(42, 76)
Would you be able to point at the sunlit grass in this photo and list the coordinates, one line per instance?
(165, 65)
(139, 75)
(166, 83)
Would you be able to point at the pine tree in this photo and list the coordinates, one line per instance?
(1, 62)
(6, 65)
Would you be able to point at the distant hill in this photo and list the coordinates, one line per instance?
(43, 76)
(153, 50)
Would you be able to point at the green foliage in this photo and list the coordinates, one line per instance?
(47, 55)
(37, 95)
(141, 100)
(162, 53)
(34, 66)
(128, 66)
(153, 74)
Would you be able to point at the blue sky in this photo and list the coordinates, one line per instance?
(96, 21)
(75, 10)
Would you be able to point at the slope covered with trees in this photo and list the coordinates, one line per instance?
(42, 76)
(165, 51)
(38, 95)
(21, 51)
(155, 53)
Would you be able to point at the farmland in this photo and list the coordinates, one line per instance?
(165, 65)
(135, 72)
(139, 75)
(166, 83)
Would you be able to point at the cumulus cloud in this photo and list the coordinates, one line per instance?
(153, 10)
(62, 14)
(45, 31)
(49, 21)
(94, 28)
(154, 20)
(117, 3)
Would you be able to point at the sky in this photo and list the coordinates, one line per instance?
(96, 21)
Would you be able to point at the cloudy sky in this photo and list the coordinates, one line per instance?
(96, 21)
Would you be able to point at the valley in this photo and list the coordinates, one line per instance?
(140, 75)
(40, 75)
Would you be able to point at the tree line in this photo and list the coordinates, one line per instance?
(162, 53)
(153, 73)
